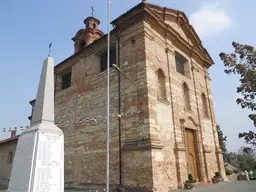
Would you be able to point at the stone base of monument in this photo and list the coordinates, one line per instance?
(38, 160)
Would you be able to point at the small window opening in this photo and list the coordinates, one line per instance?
(182, 65)
(66, 80)
(104, 59)
(82, 44)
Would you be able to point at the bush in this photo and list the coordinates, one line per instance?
(217, 175)
(187, 181)
(190, 179)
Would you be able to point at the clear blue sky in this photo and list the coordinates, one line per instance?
(28, 26)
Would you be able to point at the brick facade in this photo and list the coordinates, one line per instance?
(153, 146)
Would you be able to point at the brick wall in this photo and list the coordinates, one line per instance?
(86, 98)
(154, 149)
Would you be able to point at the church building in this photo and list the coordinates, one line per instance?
(162, 124)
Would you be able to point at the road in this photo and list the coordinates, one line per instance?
(237, 186)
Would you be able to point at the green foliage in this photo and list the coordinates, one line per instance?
(222, 142)
(190, 179)
(217, 175)
(243, 63)
(246, 159)
(249, 138)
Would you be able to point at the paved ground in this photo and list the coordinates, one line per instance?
(238, 186)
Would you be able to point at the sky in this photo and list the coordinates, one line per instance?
(28, 27)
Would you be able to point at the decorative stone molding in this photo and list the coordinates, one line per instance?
(182, 121)
(192, 119)
(169, 49)
(219, 151)
(194, 68)
(142, 144)
(207, 149)
(207, 77)
(180, 147)
(189, 122)
(166, 102)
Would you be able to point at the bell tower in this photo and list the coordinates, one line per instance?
(88, 35)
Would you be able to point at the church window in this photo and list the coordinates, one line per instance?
(104, 60)
(161, 92)
(182, 65)
(82, 44)
(186, 98)
(66, 80)
(204, 105)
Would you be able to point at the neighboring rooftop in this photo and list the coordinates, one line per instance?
(11, 139)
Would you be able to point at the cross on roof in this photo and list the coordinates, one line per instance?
(92, 10)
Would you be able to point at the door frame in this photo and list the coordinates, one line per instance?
(197, 146)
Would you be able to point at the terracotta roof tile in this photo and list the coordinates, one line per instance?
(10, 139)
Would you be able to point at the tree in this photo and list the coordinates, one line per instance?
(222, 142)
(246, 159)
(243, 63)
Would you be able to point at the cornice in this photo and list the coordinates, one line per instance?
(158, 24)
(142, 144)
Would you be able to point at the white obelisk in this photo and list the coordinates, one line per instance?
(39, 159)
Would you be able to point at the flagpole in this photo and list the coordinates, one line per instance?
(108, 104)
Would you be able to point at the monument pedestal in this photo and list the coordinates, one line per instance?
(39, 163)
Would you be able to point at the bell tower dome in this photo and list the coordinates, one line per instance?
(88, 35)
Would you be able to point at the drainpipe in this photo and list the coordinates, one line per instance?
(55, 85)
(121, 179)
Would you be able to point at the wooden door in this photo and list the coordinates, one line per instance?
(191, 153)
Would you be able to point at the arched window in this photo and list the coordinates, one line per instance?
(161, 92)
(204, 106)
(94, 26)
(187, 105)
(82, 44)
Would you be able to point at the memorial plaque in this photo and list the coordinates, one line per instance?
(49, 163)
